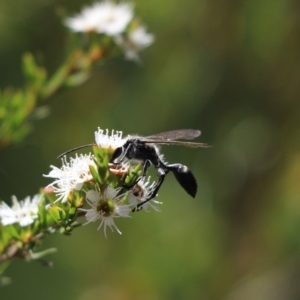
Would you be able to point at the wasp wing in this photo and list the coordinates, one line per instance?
(186, 134)
(176, 143)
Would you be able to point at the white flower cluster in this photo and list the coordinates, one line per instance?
(113, 20)
(103, 17)
(22, 212)
(104, 205)
(71, 176)
(137, 40)
(140, 193)
(105, 140)
(107, 206)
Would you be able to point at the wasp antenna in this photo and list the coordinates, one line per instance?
(74, 149)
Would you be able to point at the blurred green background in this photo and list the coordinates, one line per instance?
(230, 68)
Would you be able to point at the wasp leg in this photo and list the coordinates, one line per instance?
(120, 154)
(161, 173)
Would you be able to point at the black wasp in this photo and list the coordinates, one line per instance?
(144, 149)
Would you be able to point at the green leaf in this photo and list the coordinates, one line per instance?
(72, 212)
(55, 213)
(95, 174)
(34, 74)
(39, 255)
(77, 79)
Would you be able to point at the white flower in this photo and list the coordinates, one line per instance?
(86, 21)
(114, 18)
(140, 193)
(22, 212)
(104, 140)
(105, 17)
(137, 40)
(105, 208)
(72, 175)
